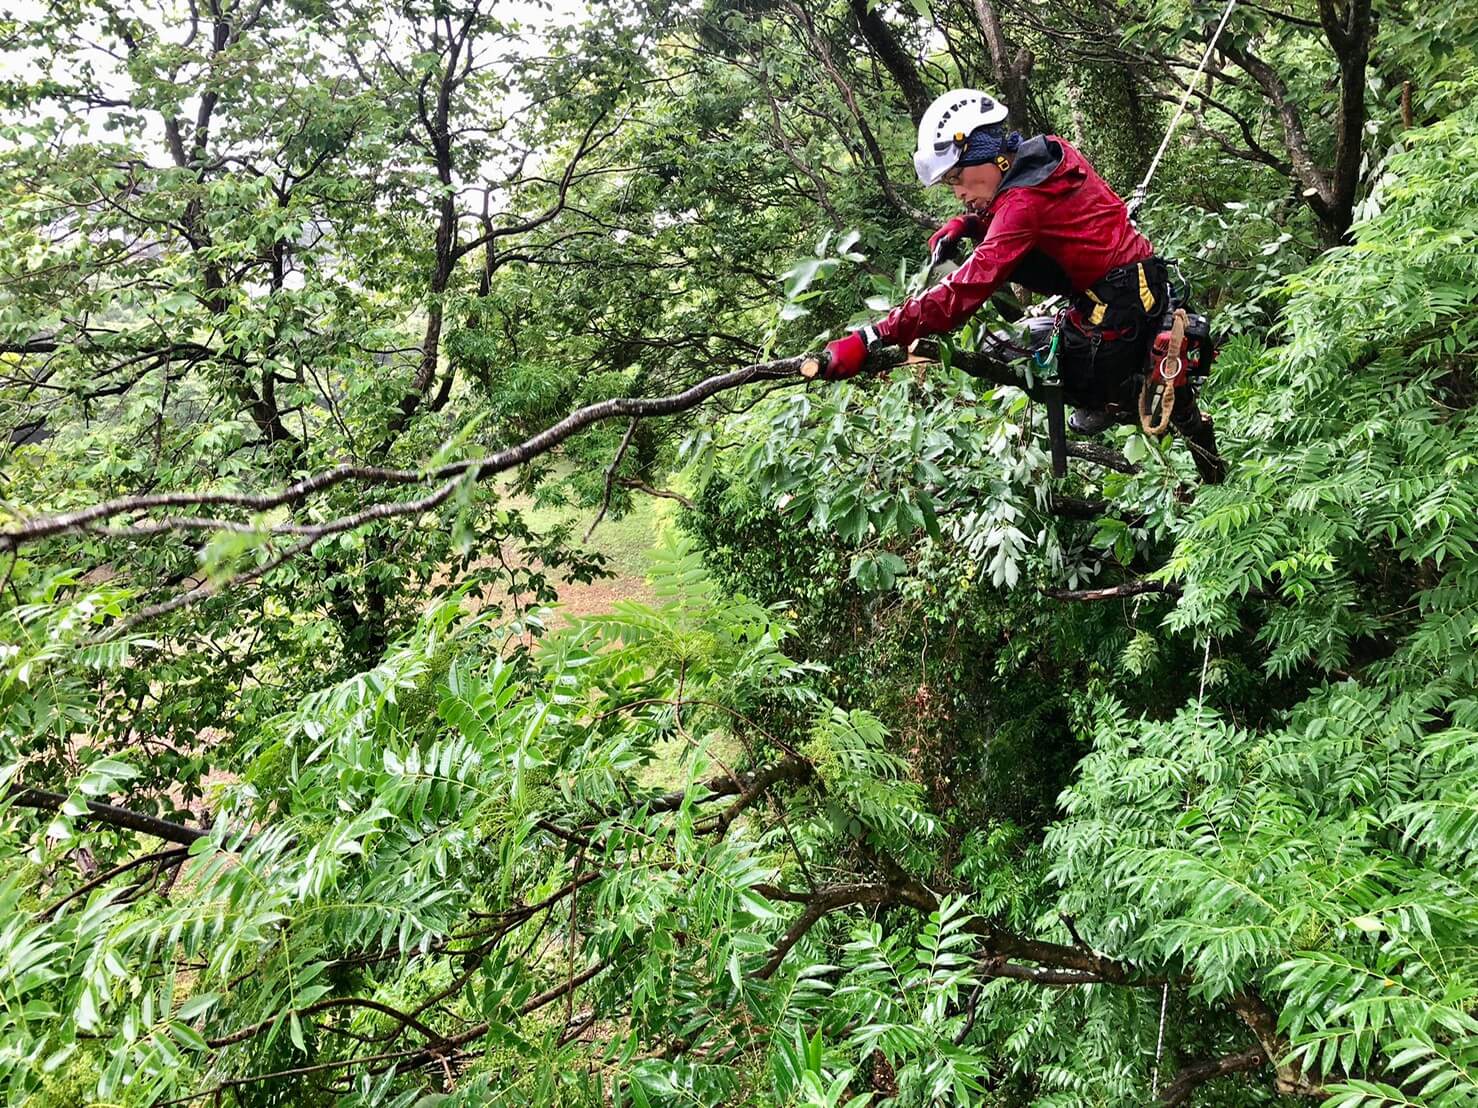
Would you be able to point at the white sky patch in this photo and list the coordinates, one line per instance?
(529, 21)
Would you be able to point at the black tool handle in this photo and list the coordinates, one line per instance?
(1056, 427)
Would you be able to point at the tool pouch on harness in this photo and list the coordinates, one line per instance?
(1107, 333)
(1125, 295)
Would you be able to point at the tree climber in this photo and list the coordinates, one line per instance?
(1043, 218)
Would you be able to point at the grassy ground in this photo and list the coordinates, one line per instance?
(627, 544)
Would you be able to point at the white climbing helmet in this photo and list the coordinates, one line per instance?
(946, 127)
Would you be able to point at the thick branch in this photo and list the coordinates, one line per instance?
(1263, 1022)
(1060, 964)
(1193, 1076)
(1317, 189)
(46, 801)
(869, 140)
(895, 59)
(1115, 592)
(1012, 73)
(1036, 975)
(818, 905)
(756, 784)
(1349, 34)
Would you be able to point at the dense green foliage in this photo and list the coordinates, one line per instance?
(311, 799)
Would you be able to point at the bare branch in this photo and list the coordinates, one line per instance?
(476, 469)
(1115, 592)
(666, 494)
(325, 1005)
(47, 801)
(163, 858)
(605, 501)
(587, 143)
(1193, 1076)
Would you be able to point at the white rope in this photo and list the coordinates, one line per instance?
(1165, 988)
(1160, 1043)
(1142, 189)
(1205, 664)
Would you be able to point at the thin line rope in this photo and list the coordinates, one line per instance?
(1142, 189)
(1160, 1043)
(1165, 988)
(1205, 664)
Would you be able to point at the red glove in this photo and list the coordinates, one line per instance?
(844, 357)
(942, 242)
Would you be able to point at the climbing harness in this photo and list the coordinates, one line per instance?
(1142, 189)
(1157, 397)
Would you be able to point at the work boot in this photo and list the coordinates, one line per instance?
(1087, 421)
(1200, 439)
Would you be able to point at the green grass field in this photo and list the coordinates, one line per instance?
(627, 544)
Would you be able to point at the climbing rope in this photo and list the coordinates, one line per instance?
(1160, 383)
(1160, 1041)
(1142, 189)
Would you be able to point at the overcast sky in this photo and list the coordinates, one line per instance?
(170, 19)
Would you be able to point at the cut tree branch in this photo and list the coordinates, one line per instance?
(1101, 456)
(42, 527)
(1263, 1022)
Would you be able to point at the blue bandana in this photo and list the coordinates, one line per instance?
(988, 143)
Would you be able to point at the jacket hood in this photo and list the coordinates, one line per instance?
(1036, 159)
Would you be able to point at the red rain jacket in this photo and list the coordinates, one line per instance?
(1054, 226)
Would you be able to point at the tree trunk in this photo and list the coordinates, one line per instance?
(1013, 72)
(895, 59)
